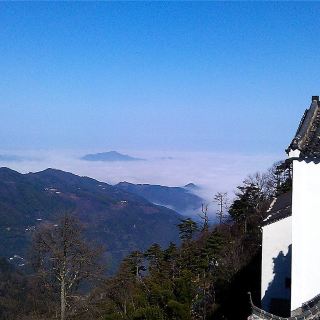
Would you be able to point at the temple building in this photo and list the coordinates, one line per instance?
(290, 275)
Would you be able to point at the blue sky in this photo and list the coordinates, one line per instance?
(202, 76)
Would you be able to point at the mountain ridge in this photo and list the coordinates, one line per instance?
(180, 199)
(109, 156)
(118, 219)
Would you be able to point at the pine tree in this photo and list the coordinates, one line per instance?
(187, 229)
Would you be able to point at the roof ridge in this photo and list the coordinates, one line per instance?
(307, 137)
(311, 312)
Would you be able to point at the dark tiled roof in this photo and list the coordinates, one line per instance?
(309, 311)
(307, 138)
(280, 208)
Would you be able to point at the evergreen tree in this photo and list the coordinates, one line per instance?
(154, 256)
(187, 229)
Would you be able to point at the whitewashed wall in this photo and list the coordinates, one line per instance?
(305, 232)
(276, 239)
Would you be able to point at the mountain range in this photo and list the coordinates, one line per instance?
(180, 199)
(109, 156)
(120, 220)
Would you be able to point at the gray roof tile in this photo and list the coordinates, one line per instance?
(307, 138)
(280, 208)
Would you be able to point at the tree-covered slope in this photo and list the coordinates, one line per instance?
(118, 219)
(179, 199)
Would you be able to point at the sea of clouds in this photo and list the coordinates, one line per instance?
(213, 172)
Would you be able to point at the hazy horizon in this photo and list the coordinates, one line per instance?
(213, 172)
(222, 84)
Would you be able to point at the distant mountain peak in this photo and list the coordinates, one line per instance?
(191, 186)
(124, 183)
(108, 213)
(51, 170)
(4, 171)
(109, 156)
(180, 199)
(54, 172)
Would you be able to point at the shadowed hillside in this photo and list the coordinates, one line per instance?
(179, 199)
(118, 219)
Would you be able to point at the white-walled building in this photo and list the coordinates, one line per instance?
(290, 275)
(276, 256)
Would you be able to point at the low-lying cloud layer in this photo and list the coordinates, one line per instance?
(211, 171)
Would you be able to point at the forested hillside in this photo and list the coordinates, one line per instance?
(119, 220)
(180, 199)
(207, 277)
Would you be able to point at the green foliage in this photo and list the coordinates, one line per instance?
(113, 316)
(187, 228)
(210, 252)
(282, 176)
(148, 313)
(245, 205)
(178, 311)
(154, 256)
(159, 295)
(207, 277)
(117, 219)
(193, 281)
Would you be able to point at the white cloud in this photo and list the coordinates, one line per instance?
(212, 171)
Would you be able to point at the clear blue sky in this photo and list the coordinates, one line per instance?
(187, 76)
